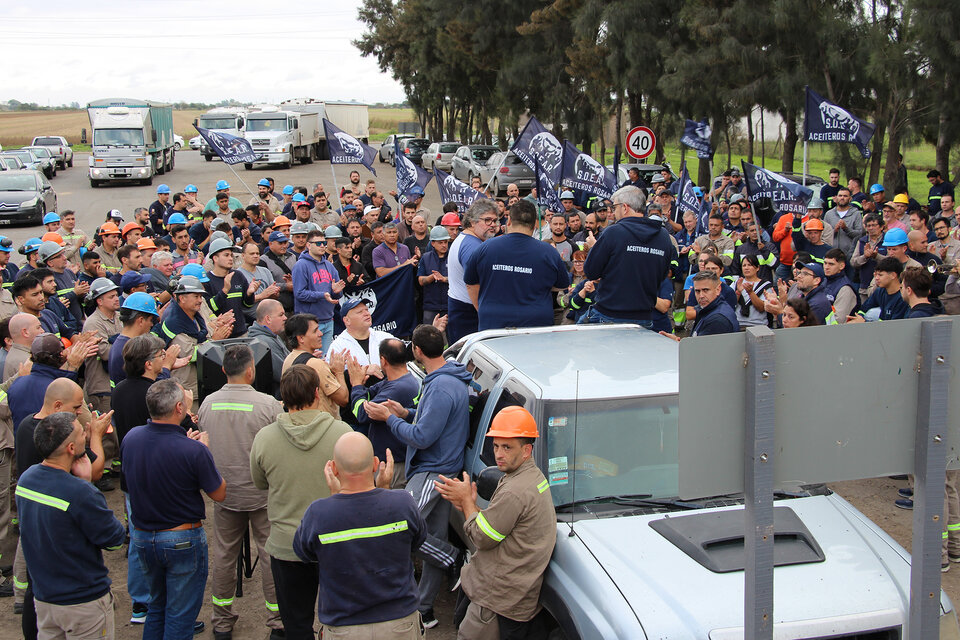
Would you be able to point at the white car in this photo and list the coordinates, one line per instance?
(177, 142)
(195, 142)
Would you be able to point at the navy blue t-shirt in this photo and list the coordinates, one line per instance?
(364, 540)
(404, 389)
(662, 321)
(892, 306)
(434, 293)
(165, 472)
(516, 274)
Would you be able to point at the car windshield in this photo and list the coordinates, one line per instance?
(11, 163)
(267, 124)
(48, 141)
(482, 154)
(18, 182)
(41, 152)
(24, 155)
(218, 123)
(611, 447)
(449, 148)
(118, 137)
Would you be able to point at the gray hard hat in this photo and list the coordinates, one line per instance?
(188, 284)
(219, 245)
(219, 235)
(736, 198)
(101, 286)
(216, 222)
(815, 203)
(47, 250)
(299, 227)
(332, 231)
(439, 233)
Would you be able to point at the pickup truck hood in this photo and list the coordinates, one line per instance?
(863, 582)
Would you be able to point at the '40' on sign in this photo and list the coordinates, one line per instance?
(641, 142)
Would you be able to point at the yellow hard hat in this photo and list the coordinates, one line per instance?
(513, 422)
(901, 198)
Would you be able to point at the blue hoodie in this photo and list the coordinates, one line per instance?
(311, 280)
(630, 259)
(441, 426)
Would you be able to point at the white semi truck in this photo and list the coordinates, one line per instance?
(229, 120)
(284, 135)
(350, 117)
(132, 140)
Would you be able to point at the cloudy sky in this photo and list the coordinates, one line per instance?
(60, 51)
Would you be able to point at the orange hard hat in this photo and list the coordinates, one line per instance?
(67, 343)
(53, 236)
(146, 243)
(127, 228)
(450, 220)
(281, 221)
(814, 224)
(109, 229)
(513, 422)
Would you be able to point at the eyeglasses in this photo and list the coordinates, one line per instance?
(160, 354)
(321, 243)
(489, 220)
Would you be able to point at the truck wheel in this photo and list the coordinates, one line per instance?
(160, 165)
(308, 159)
(94, 183)
(247, 165)
(208, 158)
(70, 162)
(147, 181)
(285, 165)
(173, 161)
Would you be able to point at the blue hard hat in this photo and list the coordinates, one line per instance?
(895, 237)
(299, 197)
(876, 188)
(6, 244)
(697, 191)
(31, 245)
(263, 182)
(416, 190)
(195, 270)
(190, 188)
(142, 302)
(163, 189)
(51, 217)
(176, 218)
(222, 184)
(288, 190)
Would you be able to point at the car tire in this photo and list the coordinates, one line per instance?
(433, 168)
(70, 162)
(208, 158)
(176, 146)
(248, 166)
(380, 156)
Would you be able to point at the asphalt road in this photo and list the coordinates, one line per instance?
(74, 191)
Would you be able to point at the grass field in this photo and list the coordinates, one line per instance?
(18, 128)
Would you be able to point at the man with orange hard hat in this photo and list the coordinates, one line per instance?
(514, 535)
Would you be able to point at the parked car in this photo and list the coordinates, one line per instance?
(177, 142)
(633, 560)
(30, 160)
(11, 163)
(25, 196)
(195, 142)
(471, 160)
(504, 168)
(439, 155)
(58, 146)
(47, 158)
(414, 148)
(386, 148)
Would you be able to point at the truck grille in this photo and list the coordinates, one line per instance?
(261, 142)
(9, 206)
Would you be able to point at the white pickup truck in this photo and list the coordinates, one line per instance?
(59, 148)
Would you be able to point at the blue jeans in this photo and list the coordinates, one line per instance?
(137, 585)
(175, 567)
(592, 316)
(326, 329)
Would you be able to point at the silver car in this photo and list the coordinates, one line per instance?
(58, 146)
(386, 148)
(30, 160)
(439, 155)
(505, 168)
(471, 160)
(47, 159)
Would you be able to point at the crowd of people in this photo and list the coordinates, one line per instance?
(102, 334)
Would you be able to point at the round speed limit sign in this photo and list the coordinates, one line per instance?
(640, 142)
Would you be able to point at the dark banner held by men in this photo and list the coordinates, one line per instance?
(536, 143)
(345, 149)
(409, 175)
(696, 135)
(390, 300)
(583, 174)
(785, 195)
(231, 149)
(547, 196)
(824, 121)
(687, 199)
(452, 190)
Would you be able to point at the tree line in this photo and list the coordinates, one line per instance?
(472, 70)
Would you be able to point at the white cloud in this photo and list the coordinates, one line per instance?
(60, 51)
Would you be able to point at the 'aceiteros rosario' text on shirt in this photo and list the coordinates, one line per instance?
(637, 248)
(511, 268)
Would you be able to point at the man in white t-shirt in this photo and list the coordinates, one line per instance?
(479, 224)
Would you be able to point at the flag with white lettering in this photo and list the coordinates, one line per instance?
(345, 149)
(409, 175)
(696, 135)
(390, 299)
(706, 208)
(535, 142)
(547, 196)
(231, 149)
(452, 190)
(583, 174)
(824, 121)
(687, 199)
(785, 195)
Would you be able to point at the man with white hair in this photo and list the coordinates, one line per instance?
(479, 224)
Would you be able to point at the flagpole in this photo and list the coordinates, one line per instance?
(804, 162)
(250, 191)
(336, 188)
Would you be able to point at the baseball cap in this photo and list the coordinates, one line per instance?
(45, 343)
(814, 224)
(263, 182)
(895, 237)
(416, 190)
(276, 236)
(876, 188)
(348, 304)
(222, 184)
(146, 243)
(349, 207)
(734, 172)
(888, 205)
(301, 203)
(814, 267)
(288, 190)
(815, 203)
(566, 195)
(133, 279)
(901, 198)
(439, 233)
(367, 209)
(115, 214)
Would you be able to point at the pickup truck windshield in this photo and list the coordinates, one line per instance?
(118, 137)
(266, 124)
(218, 123)
(624, 446)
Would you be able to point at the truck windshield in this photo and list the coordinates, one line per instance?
(118, 137)
(266, 124)
(218, 123)
(620, 446)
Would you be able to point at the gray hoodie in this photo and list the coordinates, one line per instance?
(278, 351)
(287, 460)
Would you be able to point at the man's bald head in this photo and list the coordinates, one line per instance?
(353, 454)
(268, 307)
(63, 394)
(24, 328)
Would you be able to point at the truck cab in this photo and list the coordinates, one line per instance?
(132, 140)
(229, 120)
(632, 560)
(282, 136)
